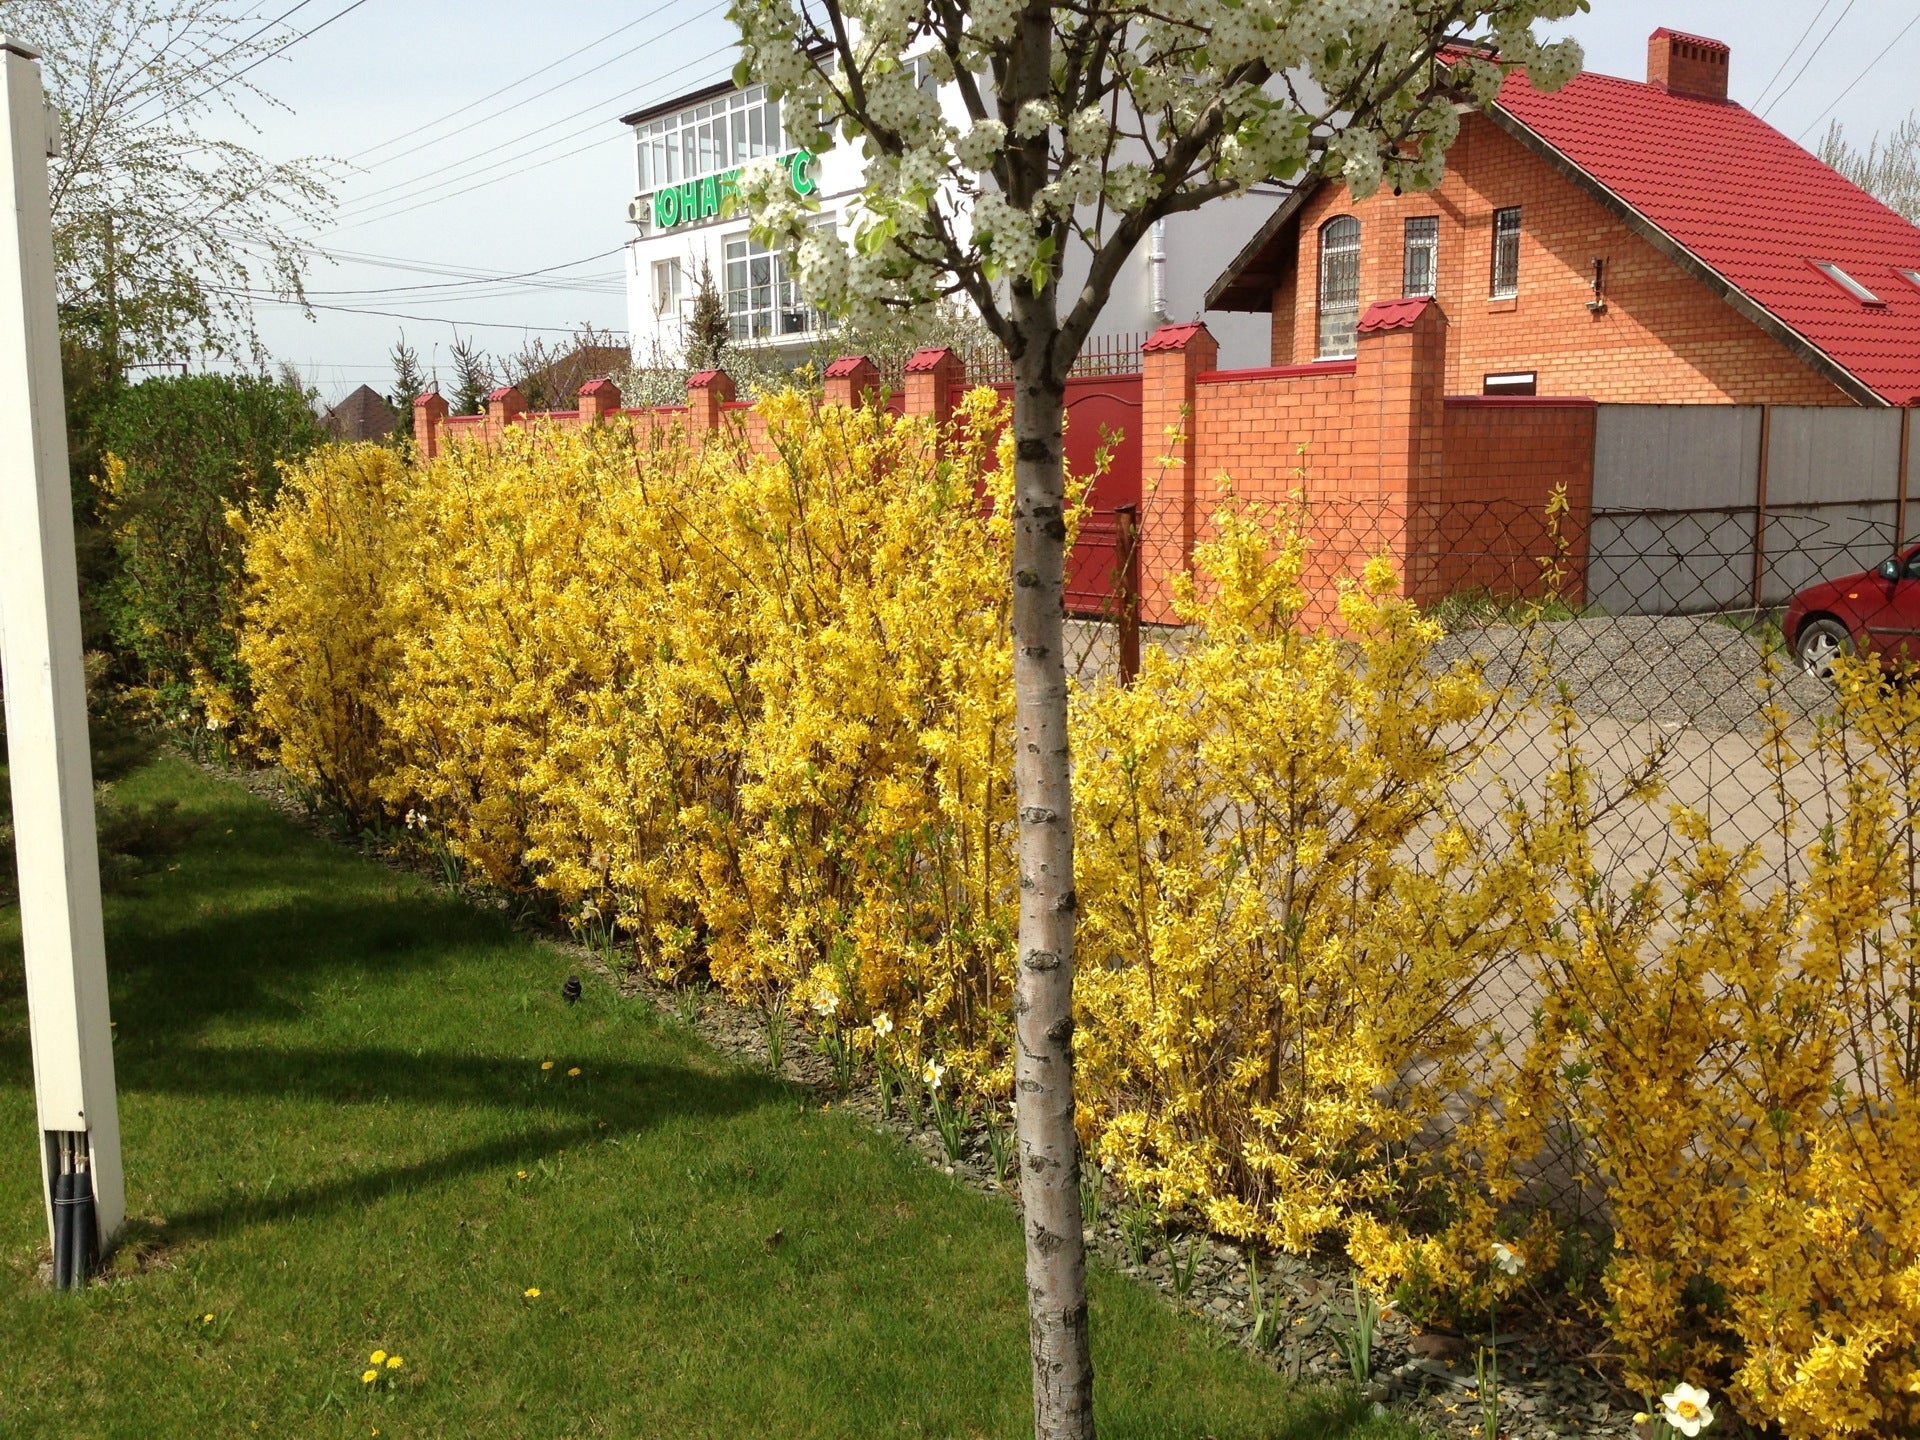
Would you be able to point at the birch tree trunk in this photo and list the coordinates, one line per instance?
(1043, 987)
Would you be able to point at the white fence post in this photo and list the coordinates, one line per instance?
(46, 709)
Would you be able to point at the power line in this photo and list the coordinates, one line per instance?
(262, 298)
(284, 45)
(471, 274)
(491, 158)
(1809, 60)
(527, 100)
(231, 50)
(497, 279)
(1858, 78)
(1792, 51)
(502, 165)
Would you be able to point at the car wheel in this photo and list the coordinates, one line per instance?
(1819, 644)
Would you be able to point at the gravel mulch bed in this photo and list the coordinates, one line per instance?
(1672, 670)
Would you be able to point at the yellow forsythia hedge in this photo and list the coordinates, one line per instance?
(748, 708)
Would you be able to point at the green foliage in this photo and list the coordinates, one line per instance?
(409, 384)
(178, 455)
(472, 377)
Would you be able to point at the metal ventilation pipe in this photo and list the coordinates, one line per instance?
(1157, 272)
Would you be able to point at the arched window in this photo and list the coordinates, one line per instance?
(1339, 288)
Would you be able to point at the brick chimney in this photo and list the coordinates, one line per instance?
(1687, 64)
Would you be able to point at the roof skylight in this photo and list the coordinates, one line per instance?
(1912, 277)
(1847, 283)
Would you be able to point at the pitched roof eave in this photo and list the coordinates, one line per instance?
(1250, 252)
(1801, 347)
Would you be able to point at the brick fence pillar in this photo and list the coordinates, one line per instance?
(429, 416)
(1399, 433)
(849, 380)
(932, 377)
(709, 392)
(505, 406)
(598, 400)
(1171, 362)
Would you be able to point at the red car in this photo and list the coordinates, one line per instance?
(1876, 611)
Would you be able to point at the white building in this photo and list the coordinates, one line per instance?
(688, 153)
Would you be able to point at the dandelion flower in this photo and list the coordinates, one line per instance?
(394, 1362)
(933, 1073)
(369, 1377)
(1685, 1408)
(574, 1073)
(532, 1292)
(1507, 1260)
(546, 1064)
(519, 1174)
(883, 1025)
(207, 1319)
(377, 1357)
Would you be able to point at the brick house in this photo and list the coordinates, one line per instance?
(1625, 241)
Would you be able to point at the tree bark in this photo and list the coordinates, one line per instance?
(1043, 986)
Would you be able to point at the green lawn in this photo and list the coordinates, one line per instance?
(331, 1084)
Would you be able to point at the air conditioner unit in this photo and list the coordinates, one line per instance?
(640, 211)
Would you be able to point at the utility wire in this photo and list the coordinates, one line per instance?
(476, 164)
(527, 100)
(1858, 78)
(284, 45)
(263, 298)
(231, 50)
(1809, 60)
(1792, 51)
(501, 165)
(492, 279)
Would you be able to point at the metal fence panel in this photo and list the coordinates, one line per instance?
(1676, 457)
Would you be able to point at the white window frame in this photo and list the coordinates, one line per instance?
(1847, 283)
(784, 315)
(669, 287)
(707, 139)
(1339, 272)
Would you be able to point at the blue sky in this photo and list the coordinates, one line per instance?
(443, 179)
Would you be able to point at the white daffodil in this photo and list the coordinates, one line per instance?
(1506, 1260)
(826, 1005)
(883, 1025)
(1685, 1408)
(932, 1074)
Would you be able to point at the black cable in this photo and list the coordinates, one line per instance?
(1858, 78)
(527, 100)
(1792, 51)
(276, 50)
(505, 165)
(260, 298)
(233, 49)
(1809, 60)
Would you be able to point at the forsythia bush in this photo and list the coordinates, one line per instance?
(746, 707)
(1277, 994)
(1740, 1061)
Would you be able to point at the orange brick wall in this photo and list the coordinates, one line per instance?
(1664, 338)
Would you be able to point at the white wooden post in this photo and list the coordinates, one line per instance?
(46, 698)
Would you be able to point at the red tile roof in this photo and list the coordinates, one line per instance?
(1753, 207)
(1393, 314)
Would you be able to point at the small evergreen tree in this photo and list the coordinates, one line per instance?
(472, 377)
(409, 384)
(708, 330)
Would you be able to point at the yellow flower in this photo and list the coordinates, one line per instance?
(394, 1362)
(207, 1319)
(574, 1071)
(532, 1292)
(369, 1377)
(546, 1064)
(376, 1357)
